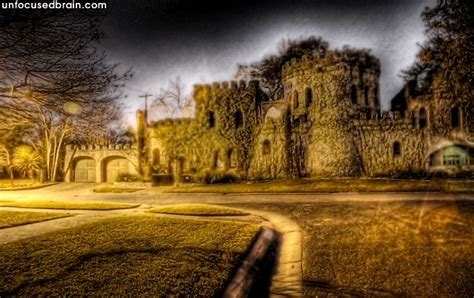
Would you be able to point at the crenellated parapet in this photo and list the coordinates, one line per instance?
(323, 62)
(353, 73)
(225, 87)
(169, 122)
(99, 147)
(383, 120)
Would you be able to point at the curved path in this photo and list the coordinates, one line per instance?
(287, 278)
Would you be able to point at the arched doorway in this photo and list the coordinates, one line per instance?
(114, 167)
(85, 170)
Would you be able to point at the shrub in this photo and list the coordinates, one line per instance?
(127, 177)
(209, 176)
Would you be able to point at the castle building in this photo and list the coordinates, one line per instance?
(328, 124)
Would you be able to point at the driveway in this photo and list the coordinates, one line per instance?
(84, 192)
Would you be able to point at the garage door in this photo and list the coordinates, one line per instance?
(85, 171)
(115, 167)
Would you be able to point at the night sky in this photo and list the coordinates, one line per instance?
(202, 41)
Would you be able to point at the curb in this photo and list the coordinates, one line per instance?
(28, 187)
(244, 281)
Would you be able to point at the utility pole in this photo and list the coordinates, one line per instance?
(143, 149)
(146, 95)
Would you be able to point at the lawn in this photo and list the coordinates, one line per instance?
(127, 256)
(395, 248)
(333, 185)
(66, 205)
(197, 209)
(6, 183)
(17, 218)
(108, 189)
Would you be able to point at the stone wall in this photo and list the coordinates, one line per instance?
(376, 140)
(219, 137)
(270, 148)
(101, 154)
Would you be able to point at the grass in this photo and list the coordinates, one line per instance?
(396, 248)
(334, 185)
(66, 205)
(197, 209)
(127, 256)
(109, 189)
(16, 218)
(17, 183)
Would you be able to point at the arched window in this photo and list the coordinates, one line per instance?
(156, 157)
(238, 119)
(296, 100)
(212, 119)
(366, 95)
(215, 159)
(422, 118)
(376, 94)
(308, 96)
(267, 147)
(414, 118)
(397, 149)
(354, 94)
(231, 160)
(455, 117)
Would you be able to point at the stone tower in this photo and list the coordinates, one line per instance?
(323, 92)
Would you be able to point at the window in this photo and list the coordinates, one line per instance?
(354, 94)
(212, 119)
(215, 160)
(296, 102)
(231, 160)
(156, 158)
(238, 119)
(266, 147)
(397, 149)
(455, 117)
(455, 156)
(422, 118)
(308, 96)
(414, 118)
(366, 94)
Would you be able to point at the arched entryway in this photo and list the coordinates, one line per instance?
(114, 167)
(85, 170)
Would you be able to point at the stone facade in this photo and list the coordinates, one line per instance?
(328, 124)
(220, 137)
(99, 163)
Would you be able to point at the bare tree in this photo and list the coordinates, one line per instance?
(9, 140)
(49, 59)
(172, 101)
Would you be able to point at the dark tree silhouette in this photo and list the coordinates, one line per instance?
(268, 71)
(449, 49)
